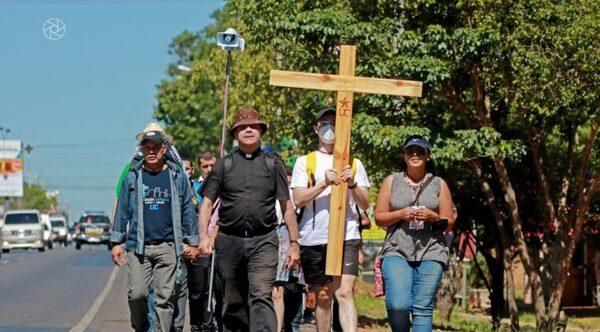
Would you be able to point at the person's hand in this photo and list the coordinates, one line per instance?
(213, 237)
(186, 251)
(191, 253)
(331, 177)
(293, 255)
(212, 243)
(206, 245)
(348, 175)
(406, 213)
(426, 214)
(118, 255)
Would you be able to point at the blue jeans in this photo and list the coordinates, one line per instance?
(410, 287)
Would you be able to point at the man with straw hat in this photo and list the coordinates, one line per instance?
(154, 217)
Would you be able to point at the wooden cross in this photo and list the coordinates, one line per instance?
(345, 84)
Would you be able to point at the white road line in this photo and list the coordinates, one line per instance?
(93, 310)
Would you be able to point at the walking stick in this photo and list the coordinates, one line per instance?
(210, 282)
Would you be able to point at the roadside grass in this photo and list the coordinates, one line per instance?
(372, 316)
(587, 319)
(371, 310)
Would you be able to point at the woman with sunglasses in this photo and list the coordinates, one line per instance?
(416, 208)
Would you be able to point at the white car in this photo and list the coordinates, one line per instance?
(48, 232)
(59, 228)
(23, 229)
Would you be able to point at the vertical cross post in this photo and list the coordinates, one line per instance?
(345, 84)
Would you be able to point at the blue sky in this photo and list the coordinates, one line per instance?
(80, 100)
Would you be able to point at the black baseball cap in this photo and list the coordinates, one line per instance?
(154, 136)
(325, 111)
(417, 140)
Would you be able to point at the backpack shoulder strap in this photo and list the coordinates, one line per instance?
(270, 159)
(311, 167)
(228, 160)
(227, 163)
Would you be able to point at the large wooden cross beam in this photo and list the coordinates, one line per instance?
(345, 84)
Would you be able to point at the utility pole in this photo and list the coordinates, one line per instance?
(5, 131)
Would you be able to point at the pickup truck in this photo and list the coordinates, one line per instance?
(93, 228)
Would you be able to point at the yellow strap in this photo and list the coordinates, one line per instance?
(311, 167)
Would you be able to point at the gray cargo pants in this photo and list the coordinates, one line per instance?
(158, 264)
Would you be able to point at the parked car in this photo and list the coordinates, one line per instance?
(93, 228)
(59, 228)
(23, 229)
(48, 231)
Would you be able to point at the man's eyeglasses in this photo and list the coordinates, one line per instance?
(416, 151)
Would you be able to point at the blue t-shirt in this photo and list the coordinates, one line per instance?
(158, 223)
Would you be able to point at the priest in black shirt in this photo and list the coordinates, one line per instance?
(249, 183)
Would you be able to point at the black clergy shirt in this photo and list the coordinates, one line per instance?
(248, 192)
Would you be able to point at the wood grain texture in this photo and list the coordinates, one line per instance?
(341, 158)
(328, 82)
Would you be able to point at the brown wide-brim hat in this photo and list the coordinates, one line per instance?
(247, 116)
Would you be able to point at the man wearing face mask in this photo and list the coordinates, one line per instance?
(312, 178)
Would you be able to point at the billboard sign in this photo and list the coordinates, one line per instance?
(11, 168)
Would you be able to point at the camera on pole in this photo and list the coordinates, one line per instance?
(229, 40)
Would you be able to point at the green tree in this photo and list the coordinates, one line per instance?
(189, 107)
(509, 89)
(504, 83)
(191, 103)
(34, 197)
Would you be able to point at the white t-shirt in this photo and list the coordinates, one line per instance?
(313, 231)
(278, 212)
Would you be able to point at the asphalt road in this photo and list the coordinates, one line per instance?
(52, 290)
(64, 290)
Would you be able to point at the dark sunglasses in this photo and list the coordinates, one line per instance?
(415, 151)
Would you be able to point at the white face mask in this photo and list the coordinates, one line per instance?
(327, 134)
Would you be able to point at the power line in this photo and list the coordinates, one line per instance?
(87, 188)
(64, 145)
(83, 177)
